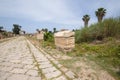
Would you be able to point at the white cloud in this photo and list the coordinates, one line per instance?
(56, 11)
(38, 10)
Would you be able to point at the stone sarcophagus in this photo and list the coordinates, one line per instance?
(40, 35)
(65, 40)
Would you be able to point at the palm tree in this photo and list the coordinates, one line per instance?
(86, 18)
(1, 27)
(54, 30)
(100, 13)
(38, 30)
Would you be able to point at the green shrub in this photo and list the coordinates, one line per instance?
(108, 52)
(83, 35)
(48, 36)
(108, 28)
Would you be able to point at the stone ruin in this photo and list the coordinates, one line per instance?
(40, 35)
(65, 40)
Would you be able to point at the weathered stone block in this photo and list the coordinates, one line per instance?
(65, 40)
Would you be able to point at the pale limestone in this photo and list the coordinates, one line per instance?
(18, 70)
(5, 64)
(7, 68)
(56, 62)
(34, 78)
(77, 79)
(40, 36)
(27, 62)
(15, 61)
(17, 65)
(42, 63)
(28, 66)
(42, 60)
(52, 74)
(49, 70)
(4, 75)
(1, 68)
(70, 74)
(45, 66)
(60, 78)
(64, 69)
(17, 77)
(48, 56)
(59, 65)
(26, 69)
(32, 73)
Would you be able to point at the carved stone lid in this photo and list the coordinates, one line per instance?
(66, 33)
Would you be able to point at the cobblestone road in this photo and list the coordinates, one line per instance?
(21, 60)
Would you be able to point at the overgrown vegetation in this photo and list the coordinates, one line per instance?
(4, 33)
(48, 39)
(100, 42)
(108, 28)
(16, 29)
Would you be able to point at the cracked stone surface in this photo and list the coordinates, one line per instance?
(18, 70)
(18, 77)
(21, 60)
(61, 78)
(32, 73)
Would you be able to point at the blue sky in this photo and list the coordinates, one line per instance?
(62, 14)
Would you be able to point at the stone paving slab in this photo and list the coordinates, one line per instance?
(17, 65)
(23, 62)
(4, 75)
(34, 78)
(6, 68)
(49, 70)
(43, 63)
(60, 78)
(27, 62)
(52, 74)
(19, 71)
(70, 74)
(18, 77)
(5, 64)
(45, 66)
(16, 61)
(29, 66)
(32, 73)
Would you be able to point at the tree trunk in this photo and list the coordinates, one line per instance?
(100, 19)
(86, 24)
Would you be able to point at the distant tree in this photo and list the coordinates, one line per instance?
(1, 27)
(43, 29)
(48, 36)
(24, 32)
(16, 28)
(86, 18)
(50, 32)
(38, 30)
(100, 13)
(46, 30)
(54, 30)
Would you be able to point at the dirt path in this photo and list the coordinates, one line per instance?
(20, 60)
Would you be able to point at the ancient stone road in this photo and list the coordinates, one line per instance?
(21, 60)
